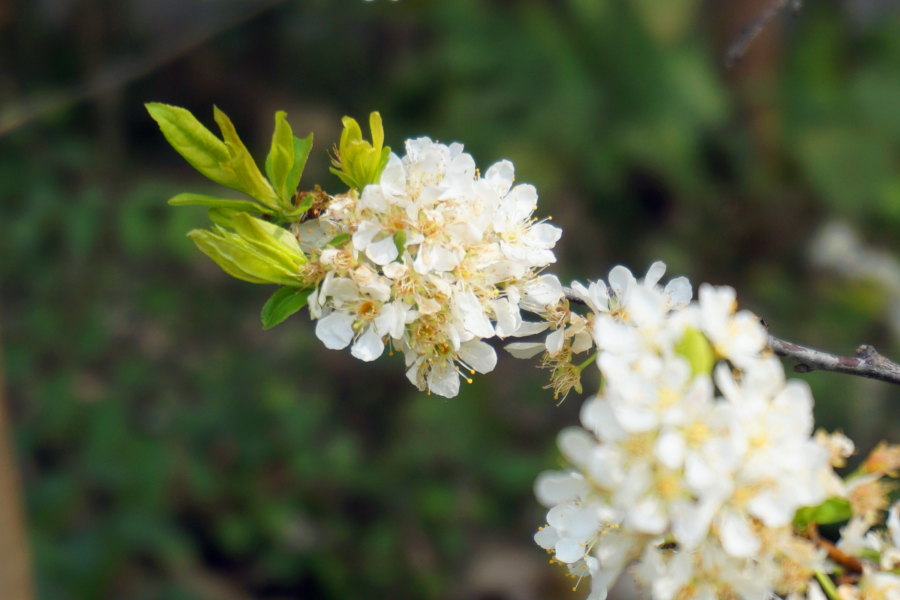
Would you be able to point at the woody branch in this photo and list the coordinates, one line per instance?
(866, 363)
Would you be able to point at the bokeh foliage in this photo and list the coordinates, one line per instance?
(172, 449)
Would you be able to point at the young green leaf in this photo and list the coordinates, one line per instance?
(833, 510)
(272, 238)
(215, 248)
(305, 203)
(281, 157)
(247, 175)
(302, 148)
(361, 163)
(283, 303)
(696, 348)
(211, 201)
(246, 259)
(339, 241)
(400, 241)
(223, 217)
(203, 150)
(377, 129)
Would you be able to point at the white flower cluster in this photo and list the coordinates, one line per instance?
(695, 471)
(434, 259)
(860, 540)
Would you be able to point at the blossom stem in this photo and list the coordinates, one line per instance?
(827, 585)
(587, 362)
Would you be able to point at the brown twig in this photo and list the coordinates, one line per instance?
(852, 564)
(739, 48)
(867, 362)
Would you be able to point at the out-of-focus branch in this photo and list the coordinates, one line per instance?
(739, 48)
(17, 115)
(850, 563)
(16, 581)
(867, 362)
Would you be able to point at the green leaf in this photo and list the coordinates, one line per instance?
(360, 162)
(302, 148)
(203, 150)
(216, 249)
(833, 510)
(377, 129)
(339, 241)
(223, 217)
(269, 239)
(400, 241)
(283, 304)
(247, 175)
(305, 203)
(351, 134)
(246, 259)
(280, 267)
(348, 181)
(696, 348)
(211, 201)
(281, 157)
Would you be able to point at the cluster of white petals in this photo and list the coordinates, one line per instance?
(433, 259)
(692, 468)
(879, 554)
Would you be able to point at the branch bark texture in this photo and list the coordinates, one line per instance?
(866, 363)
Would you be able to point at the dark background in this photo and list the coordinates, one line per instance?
(171, 449)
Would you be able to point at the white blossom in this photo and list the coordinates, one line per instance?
(696, 474)
(432, 259)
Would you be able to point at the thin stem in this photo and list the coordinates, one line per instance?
(827, 585)
(587, 362)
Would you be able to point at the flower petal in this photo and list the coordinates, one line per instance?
(679, 293)
(525, 349)
(500, 176)
(336, 330)
(383, 252)
(478, 355)
(443, 379)
(620, 279)
(369, 345)
(569, 551)
(654, 274)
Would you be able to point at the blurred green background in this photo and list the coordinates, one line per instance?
(171, 449)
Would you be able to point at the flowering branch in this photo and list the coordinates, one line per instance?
(696, 458)
(867, 362)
